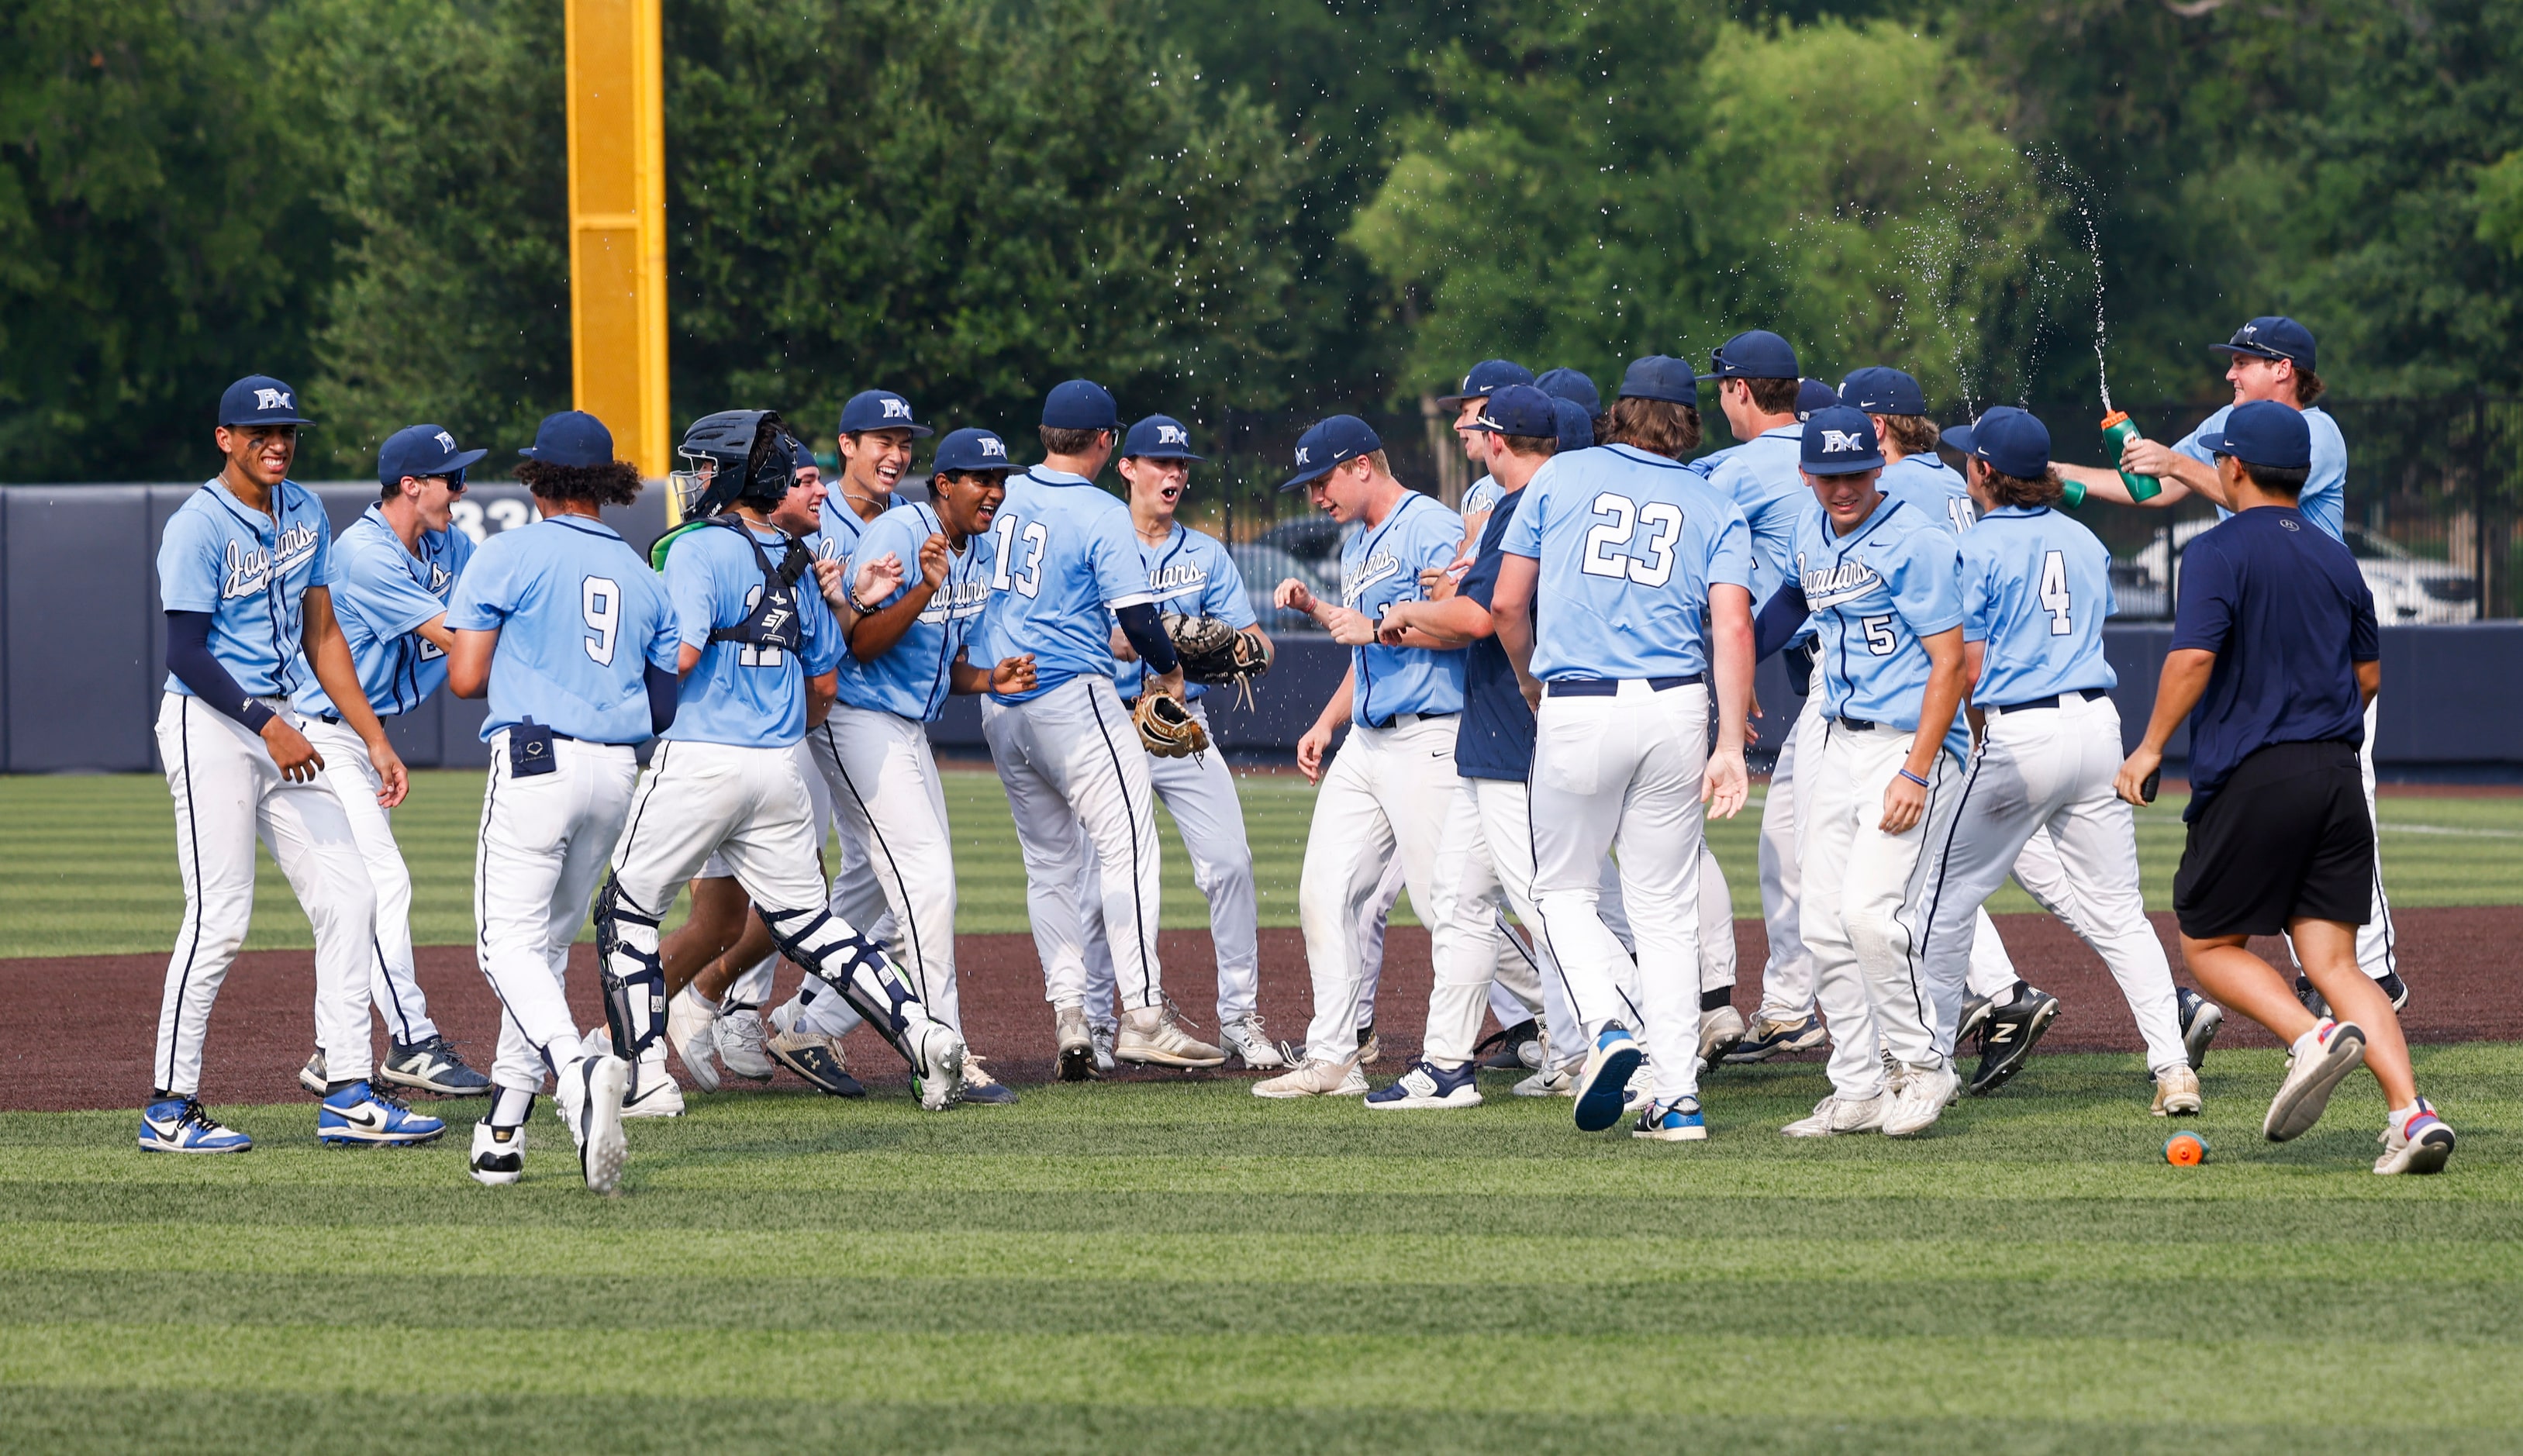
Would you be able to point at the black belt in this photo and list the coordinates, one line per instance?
(333, 719)
(1604, 687)
(1853, 725)
(1390, 718)
(2090, 694)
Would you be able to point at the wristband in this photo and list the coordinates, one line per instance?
(1914, 778)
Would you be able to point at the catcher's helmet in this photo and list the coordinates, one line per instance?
(736, 454)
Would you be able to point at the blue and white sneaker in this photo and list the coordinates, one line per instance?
(1602, 1087)
(1677, 1122)
(1428, 1084)
(360, 1114)
(179, 1124)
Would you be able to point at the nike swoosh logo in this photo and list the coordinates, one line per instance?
(369, 1116)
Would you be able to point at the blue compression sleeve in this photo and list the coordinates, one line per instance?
(1780, 621)
(188, 657)
(1144, 628)
(663, 690)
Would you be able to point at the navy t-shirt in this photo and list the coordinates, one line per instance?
(2288, 614)
(1494, 740)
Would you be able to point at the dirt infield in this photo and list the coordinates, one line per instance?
(76, 1032)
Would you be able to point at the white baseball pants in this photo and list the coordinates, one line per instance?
(1623, 772)
(1861, 890)
(2378, 947)
(1386, 796)
(890, 805)
(1516, 965)
(228, 793)
(544, 845)
(392, 988)
(1077, 785)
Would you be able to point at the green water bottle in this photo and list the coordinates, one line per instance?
(2119, 430)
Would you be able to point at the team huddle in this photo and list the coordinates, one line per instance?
(1546, 693)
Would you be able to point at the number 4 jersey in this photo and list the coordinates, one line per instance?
(580, 618)
(2037, 587)
(1628, 545)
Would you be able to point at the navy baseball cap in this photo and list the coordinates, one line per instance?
(1840, 440)
(970, 449)
(1568, 383)
(1159, 436)
(1813, 394)
(1883, 391)
(261, 399)
(1517, 410)
(1756, 353)
(1340, 438)
(1661, 377)
(421, 451)
(1081, 404)
(1576, 425)
(880, 409)
(572, 436)
(2264, 433)
(1487, 377)
(2009, 440)
(2274, 337)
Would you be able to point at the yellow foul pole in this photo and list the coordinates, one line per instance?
(617, 223)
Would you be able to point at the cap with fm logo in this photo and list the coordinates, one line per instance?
(422, 451)
(1840, 440)
(261, 399)
(1336, 440)
(972, 448)
(1159, 436)
(880, 409)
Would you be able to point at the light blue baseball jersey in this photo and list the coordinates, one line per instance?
(250, 572)
(1065, 554)
(2037, 587)
(836, 537)
(913, 677)
(1628, 544)
(1925, 484)
(1874, 594)
(1380, 565)
(581, 618)
(1483, 496)
(1764, 478)
(1192, 573)
(737, 693)
(381, 592)
(2324, 497)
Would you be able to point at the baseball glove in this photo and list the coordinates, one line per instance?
(1212, 652)
(1166, 728)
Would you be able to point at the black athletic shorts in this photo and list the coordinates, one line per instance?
(2286, 837)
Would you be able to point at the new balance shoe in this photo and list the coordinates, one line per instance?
(983, 1089)
(1721, 1031)
(1428, 1084)
(359, 1115)
(2415, 1141)
(431, 1065)
(1602, 1086)
(1505, 1051)
(1925, 1092)
(1102, 1037)
(1674, 1123)
(1550, 1081)
(937, 1065)
(1767, 1039)
(1833, 1117)
(2008, 1034)
(2318, 1062)
(499, 1154)
(1076, 1040)
(311, 1076)
(589, 1095)
(817, 1060)
(1244, 1037)
(1151, 1037)
(2176, 1093)
(691, 1029)
(2200, 1019)
(742, 1041)
(1315, 1077)
(180, 1124)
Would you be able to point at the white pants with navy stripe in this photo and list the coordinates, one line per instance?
(392, 988)
(544, 844)
(1077, 785)
(1517, 965)
(228, 793)
(897, 869)
(1484, 868)
(1385, 797)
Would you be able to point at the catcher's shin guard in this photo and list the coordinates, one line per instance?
(632, 975)
(852, 965)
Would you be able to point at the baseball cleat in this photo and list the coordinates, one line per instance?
(180, 1124)
(1077, 1043)
(1102, 1036)
(499, 1154)
(2200, 1019)
(2419, 1143)
(1557, 1081)
(2008, 1034)
(1836, 1115)
(1244, 1037)
(311, 1076)
(1639, 1092)
(741, 1040)
(937, 1065)
(1767, 1039)
(1602, 1086)
(2397, 990)
(1975, 1018)
(1925, 1092)
(1369, 1048)
(1428, 1084)
(2318, 1062)
(653, 1092)
(817, 1060)
(1721, 1031)
(430, 1065)
(359, 1115)
(2176, 1093)
(691, 1029)
(1315, 1077)
(983, 1089)
(1675, 1122)
(1506, 1049)
(600, 1082)
(1151, 1037)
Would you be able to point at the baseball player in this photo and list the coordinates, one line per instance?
(572, 637)
(2037, 587)
(1646, 569)
(1391, 788)
(245, 572)
(395, 565)
(759, 656)
(1189, 571)
(1065, 751)
(1879, 581)
(1479, 383)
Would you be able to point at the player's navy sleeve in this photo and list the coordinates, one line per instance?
(2205, 616)
(1147, 634)
(664, 688)
(189, 658)
(2364, 633)
(1780, 618)
(1925, 589)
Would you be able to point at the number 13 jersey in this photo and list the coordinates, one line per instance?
(1067, 554)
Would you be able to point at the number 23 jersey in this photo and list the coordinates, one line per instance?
(581, 618)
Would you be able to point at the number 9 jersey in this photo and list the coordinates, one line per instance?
(581, 619)
(1628, 544)
(2037, 587)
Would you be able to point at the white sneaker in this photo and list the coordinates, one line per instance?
(1720, 1031)
(1315, 1077)
(1833, 1116)
(1536, 1054)
(653, 1092)
(589, 1096)
(497, 1160)
(691, 1029)
(1079, 1059)
(2176, 1093)
(1244, 1037)
(1150, 1037)
(937, 1066)
(1638, 1093)
(1428, 1085)
(2318, 1062)
(1925, 1092)
(2419, 1142)
(1100, 1038)
(744, 1043)
(1557, 1081)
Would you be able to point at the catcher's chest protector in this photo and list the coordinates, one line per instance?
(773, 622)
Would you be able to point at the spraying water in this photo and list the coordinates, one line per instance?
(2094, 247)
